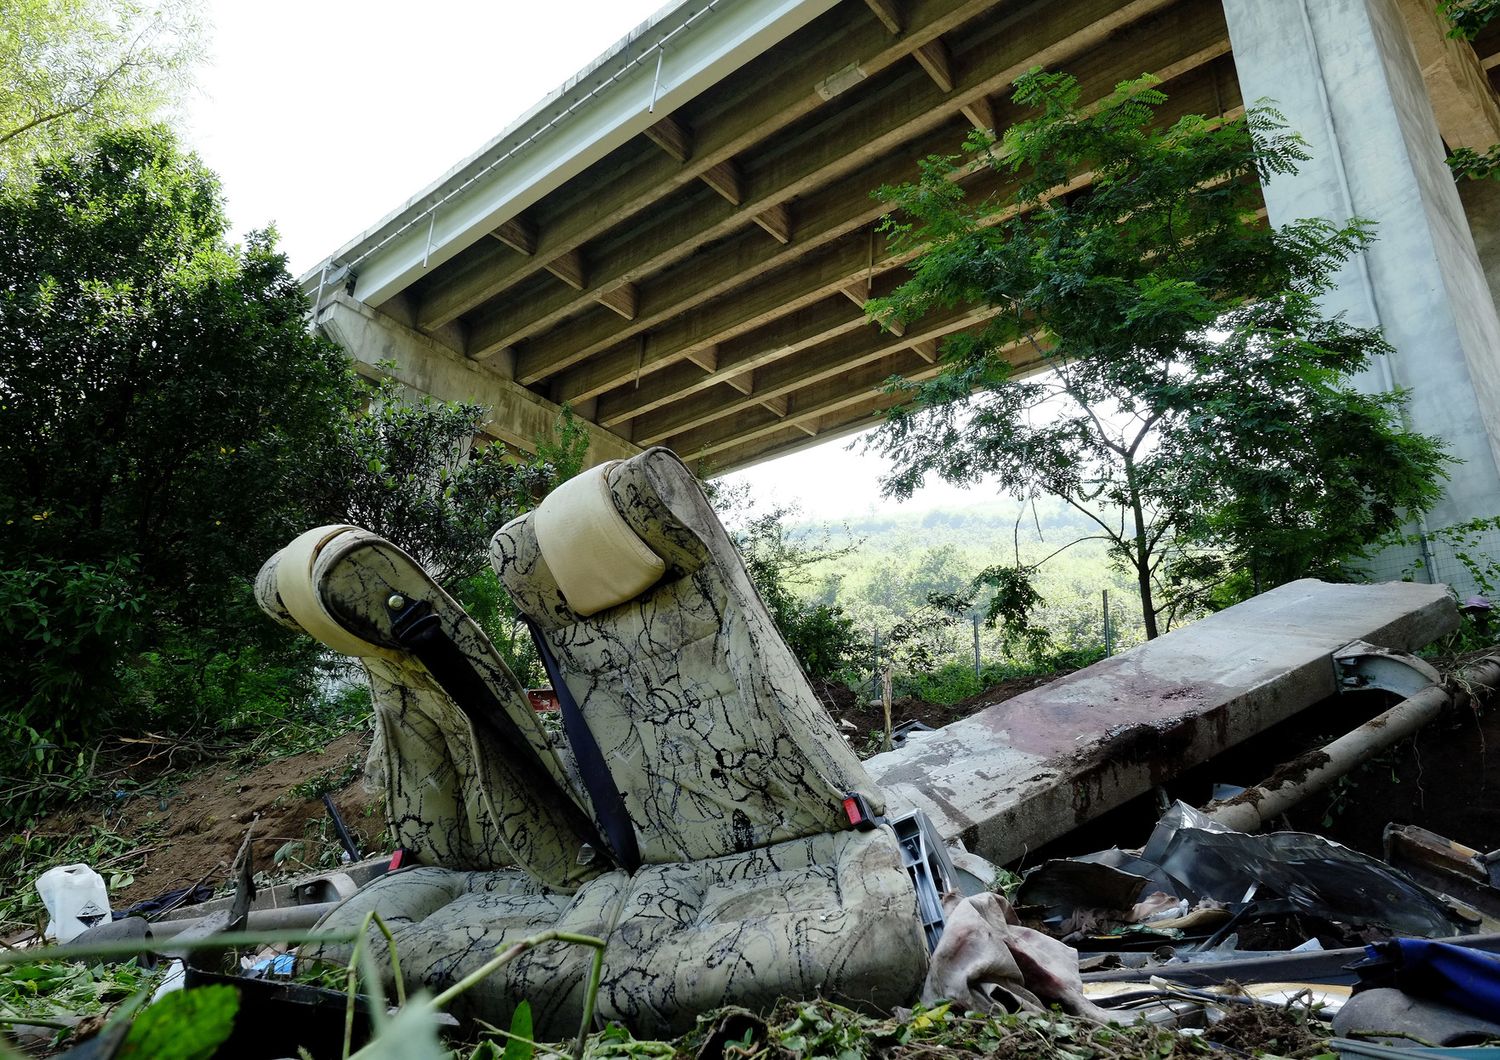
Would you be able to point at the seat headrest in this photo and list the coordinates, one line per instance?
(598, 561)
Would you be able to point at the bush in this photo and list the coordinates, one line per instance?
(65, 627)
(946, 685)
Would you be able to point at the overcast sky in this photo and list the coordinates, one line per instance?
(321, 118)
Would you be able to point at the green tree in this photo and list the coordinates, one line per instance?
(164, 419)
(779, 559)
(1467, 17)
(410, 469)
(70, 69)
(1189, 395)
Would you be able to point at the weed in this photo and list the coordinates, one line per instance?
(330, 780)
(56, 993)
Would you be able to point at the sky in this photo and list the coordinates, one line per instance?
(322, 118)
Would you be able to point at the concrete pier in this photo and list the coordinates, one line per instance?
(1349, 77)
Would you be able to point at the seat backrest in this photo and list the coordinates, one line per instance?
(710, 728)
(476, 785)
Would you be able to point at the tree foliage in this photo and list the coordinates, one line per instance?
(169, 422)
(1181, 387)
(165, 417)
(71, 69)
(1467, 17)
(411, 468)
(778, 559)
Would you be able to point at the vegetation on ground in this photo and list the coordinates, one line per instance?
(1193, 400)
(793, 1030)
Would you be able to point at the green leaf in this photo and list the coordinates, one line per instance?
(412, 1034)
(183, 1025)
(520, 1026)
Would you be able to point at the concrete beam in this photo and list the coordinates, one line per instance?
(672, 137)
(871, 144)
(1462, 100)
(1024, 772)
(779, 95)
(782, 337)
(604, 107)
(797, 437)
(827, 399)
(833, 360)
(827, 215)
(851, 388)
(381, 348)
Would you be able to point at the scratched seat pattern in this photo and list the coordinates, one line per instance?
(706, 719)
(828, 915)
(451, 791)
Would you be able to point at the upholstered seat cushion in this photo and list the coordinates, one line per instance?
(598, 559)
(831, 915)
(455, 793)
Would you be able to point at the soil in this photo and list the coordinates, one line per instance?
(192, 835)
(864, 717)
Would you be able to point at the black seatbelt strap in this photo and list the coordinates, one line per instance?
(604, 793)
(419, 631)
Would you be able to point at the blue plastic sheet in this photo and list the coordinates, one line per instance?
(1463, 978)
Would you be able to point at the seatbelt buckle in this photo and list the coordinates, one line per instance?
(924, 855)
(862, 817)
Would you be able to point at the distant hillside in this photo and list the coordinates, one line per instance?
(900, 558)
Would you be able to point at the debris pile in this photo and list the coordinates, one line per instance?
(695, 837)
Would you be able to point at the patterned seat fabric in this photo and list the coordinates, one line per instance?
(733, 774)
(710, 728)
(454, 796)
(830, 915)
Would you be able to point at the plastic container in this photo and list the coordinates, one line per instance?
(76, 900)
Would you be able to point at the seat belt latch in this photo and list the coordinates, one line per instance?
(859, 812)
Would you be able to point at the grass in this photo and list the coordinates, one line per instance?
(794, 1030)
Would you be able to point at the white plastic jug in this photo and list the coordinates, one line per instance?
(76, 900)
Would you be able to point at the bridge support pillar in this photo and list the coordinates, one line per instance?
(1346, 75)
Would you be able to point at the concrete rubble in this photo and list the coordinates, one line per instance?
(1028, 770)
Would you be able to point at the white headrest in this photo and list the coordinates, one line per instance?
(598, 560)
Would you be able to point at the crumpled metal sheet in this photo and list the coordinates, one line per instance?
(1317, 875)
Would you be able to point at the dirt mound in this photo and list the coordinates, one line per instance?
(192, 835)
(867, 717)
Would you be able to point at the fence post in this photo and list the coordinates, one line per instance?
(1109, 640)
(976, 648)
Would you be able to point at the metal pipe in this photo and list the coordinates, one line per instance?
(1316, 770)
(286, 918)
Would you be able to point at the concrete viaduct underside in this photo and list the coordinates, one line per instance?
(679, 242)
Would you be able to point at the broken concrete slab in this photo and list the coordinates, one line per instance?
(1030, 769)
